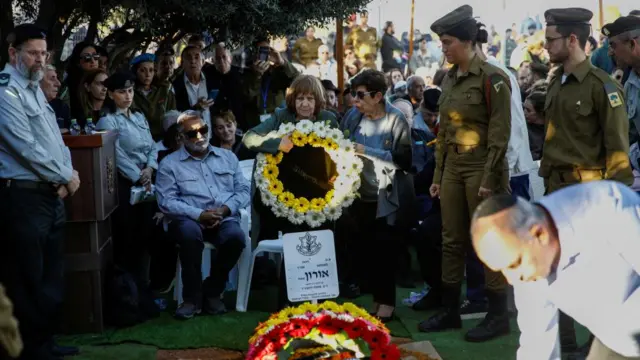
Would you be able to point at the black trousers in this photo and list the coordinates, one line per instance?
(229, 240)
(133, 228)
(428, 244)
(373, 253)
(31, 264)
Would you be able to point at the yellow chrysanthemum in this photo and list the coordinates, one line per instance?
(318, 204)
(354, 310)
(334, 146)
(303, 205)
(298, 138)
(273, 159)
(308, 307)
(270, 172)
(327, 143)
(286, 197)
(279, 157)
(329, 196)
(314, 140)
(292, 204)
(276, 187)
(331, 306)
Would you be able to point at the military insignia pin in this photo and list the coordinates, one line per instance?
(614, 100)
(605, 31)
(4, 79)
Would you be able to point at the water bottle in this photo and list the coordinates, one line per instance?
(90, 128)
(75, 129)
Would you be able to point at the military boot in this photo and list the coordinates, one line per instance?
(447, 318)
(495, 323)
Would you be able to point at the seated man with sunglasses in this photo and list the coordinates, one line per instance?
(201, 189)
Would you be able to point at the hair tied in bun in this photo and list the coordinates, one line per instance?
(483, 35)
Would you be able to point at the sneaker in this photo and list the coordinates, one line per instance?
(473, 310)
(187, 311)
(214, 306)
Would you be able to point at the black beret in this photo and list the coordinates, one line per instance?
(453, 19)
(25, 32)
(568, 16)
(120, 80)
(621, 25)
(430, 99)
(328, 85)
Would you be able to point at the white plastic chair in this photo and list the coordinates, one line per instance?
(537, 183)
(205, 268)
(246, 268)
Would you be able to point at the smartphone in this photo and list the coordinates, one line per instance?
(263, 53)
(213, 94)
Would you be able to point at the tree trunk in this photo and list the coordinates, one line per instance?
(6, 26)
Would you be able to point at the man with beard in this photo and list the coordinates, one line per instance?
(587, 124)
(36, 174)
(201, 189)
(391, 48)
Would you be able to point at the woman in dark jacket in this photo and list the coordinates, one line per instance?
(387, 197)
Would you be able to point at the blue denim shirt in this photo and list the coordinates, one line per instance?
(186, 186)
(31, 147)
(135, 148)
(632, 94)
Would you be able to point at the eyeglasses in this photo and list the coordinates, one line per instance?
(194, 133)
(35, 53)
(361, 94)
(90, 57)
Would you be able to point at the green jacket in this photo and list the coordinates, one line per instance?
(259, 140)
(154, 106)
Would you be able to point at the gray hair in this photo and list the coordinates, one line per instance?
(50, 67)
(187, 115)
(170, 118)
(411, 80)
(521, 216)
(629, 35)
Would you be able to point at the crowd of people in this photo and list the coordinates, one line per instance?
(452, 126)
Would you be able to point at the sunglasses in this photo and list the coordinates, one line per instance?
(194, 133)
(90, 57)
(361, 94)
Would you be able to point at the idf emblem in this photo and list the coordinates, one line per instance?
(614, 99)
(309, 245)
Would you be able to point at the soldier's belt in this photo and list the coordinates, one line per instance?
(26, 184)
(463, 149)
(578, 175)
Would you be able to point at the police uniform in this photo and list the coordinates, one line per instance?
(586, 131)
(632, 85)
(156, 102)
(34, 162)
(586, 121)
(475, 122)
(135, 151)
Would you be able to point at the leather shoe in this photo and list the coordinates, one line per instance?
(187, 311)
(62, 351)
(214, 306)
(431, 301)
(444, 320)
(492, 326)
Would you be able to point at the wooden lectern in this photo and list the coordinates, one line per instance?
(88, 246)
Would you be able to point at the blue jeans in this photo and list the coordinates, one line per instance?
(229, 240)
(475, 269)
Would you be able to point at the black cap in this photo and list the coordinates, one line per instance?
(430, 99)
(120, 80)
(621, 25)
(568, 16)
(25, 32)
(453, 19)
(328, 85)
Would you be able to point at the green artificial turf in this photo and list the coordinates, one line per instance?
(232, 331)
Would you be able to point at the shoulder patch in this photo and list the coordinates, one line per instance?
(4, 79)
(613, 95)
(498, 82)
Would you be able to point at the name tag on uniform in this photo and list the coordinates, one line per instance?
(264, 117)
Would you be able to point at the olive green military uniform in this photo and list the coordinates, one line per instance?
(475, 123)
(364, 42)
(154, 105)
(305, 51)
(586, 128)
(10, 339)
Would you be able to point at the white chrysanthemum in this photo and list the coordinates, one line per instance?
(335, 135)
(304, 126)
(320, 129)
(286, 128)
(332, 213)
(315, 219)
(296, 218)
(261, 182)
(348, 201)
(346, 146)
(267, 198)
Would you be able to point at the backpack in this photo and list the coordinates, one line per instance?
(127, 303)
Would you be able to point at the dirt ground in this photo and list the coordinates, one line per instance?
(200, 354)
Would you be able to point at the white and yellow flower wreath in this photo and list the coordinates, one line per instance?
(314, 212)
